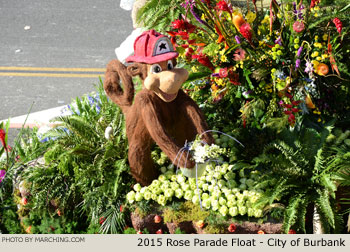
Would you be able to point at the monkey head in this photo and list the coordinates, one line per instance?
(154, 61)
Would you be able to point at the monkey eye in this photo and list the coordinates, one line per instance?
(170, 65)
(156, 68)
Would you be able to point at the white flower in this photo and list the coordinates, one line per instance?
(108, 132)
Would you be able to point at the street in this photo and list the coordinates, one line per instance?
(53, 51)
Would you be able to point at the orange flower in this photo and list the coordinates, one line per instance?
(261, 232)
(238, 21)
(322, 69)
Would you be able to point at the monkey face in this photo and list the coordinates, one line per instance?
(165, 80)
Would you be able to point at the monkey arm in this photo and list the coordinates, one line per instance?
(115, 72)
(163, 139)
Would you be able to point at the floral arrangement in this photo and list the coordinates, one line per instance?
(284, 62)
(220, 188)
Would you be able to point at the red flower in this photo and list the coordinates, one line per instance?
(314, 3)
(245, 30)
(121, 208)
(338, 24)
(291, 231)
(178, 24)
(204, 60)
(291, 119)
(101, 220)
(298, 26)
(2, 138)
(222, 5)
(232, 228)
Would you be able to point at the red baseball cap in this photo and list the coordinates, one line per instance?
(152, 47)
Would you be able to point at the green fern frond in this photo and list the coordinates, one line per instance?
(291, 213)
(324, 207)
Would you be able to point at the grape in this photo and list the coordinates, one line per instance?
(138, 196)
(169, 193)
(230, 176)
(195, 199)
(179, 193)
(231, 197)
(205, 196)
(131, 196)
(205, 187)
(231, 203)
(233, 211)
(154, 196)
(215, 205)
(137, 187)
(206, 203)
(162, 178)
(188, 195)
(222, 201)
(161, 200)
(147, 195)
(223, 210)
(242, 210)
(163, 169)
(221, 183)
(174, 185)
(243, 186)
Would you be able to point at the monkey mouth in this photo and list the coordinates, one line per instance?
(167, 97)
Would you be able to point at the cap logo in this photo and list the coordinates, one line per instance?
(163, 45)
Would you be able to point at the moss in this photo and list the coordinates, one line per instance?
(185, 212)
(215, 229)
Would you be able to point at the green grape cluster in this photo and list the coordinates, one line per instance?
(220, 188)
(339, 137)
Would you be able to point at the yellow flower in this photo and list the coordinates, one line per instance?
(314, 54)
(316, 14)
(296, 40)
(319, 58)
(319, 120)
(273, 70)
(194, 69)
(325, 37)
(319, 45)
(279, 15)
(315, 63)
(250, 17)
(316, 38)
(266, 20)
(223, 58)
(324, 56)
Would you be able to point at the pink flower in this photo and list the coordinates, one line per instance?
(223, 72)
(2, 175)
(3, 138)
(239, 54)
(298, 26)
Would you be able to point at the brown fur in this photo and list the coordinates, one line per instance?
(149, 119)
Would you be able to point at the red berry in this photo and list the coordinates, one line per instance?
(24, 201)
(159, 231)
(200, 224)
(157, 219)
(261, 232)
(291, 231)
(231, 228)
(139, 232)
(121, 208)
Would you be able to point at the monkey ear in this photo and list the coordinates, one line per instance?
(137, 69)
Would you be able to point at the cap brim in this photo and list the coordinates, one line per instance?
(153, 59)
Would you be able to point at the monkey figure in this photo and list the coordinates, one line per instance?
(161, 112)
